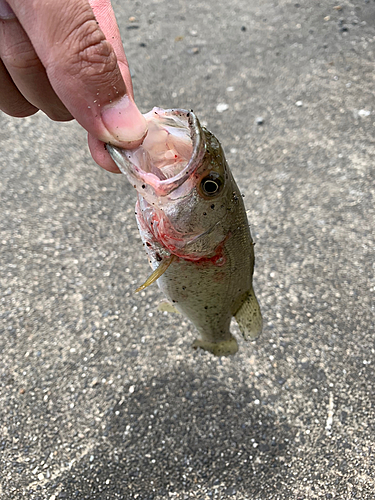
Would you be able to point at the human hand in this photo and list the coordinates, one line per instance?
(67, 60)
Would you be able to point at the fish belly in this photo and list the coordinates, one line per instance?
(207, 294)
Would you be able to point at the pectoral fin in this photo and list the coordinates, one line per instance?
(157, 273)
(249, 317)
(166, 306)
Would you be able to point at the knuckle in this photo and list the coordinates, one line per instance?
(21, 56)
(89, 54)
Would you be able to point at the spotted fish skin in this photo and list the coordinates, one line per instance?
(197, 215)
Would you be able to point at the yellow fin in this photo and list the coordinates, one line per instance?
(157, 273)
(166, 306)
(249, 317)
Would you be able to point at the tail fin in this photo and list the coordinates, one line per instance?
(249, 317)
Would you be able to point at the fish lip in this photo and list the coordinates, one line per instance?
(166, 186)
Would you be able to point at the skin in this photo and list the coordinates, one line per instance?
(70, 64)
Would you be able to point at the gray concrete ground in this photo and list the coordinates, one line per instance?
(101, 396)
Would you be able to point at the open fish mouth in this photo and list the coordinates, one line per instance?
(171, 152)
(163, 169)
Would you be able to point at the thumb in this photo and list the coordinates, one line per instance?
(83, 67)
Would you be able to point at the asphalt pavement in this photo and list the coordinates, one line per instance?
(101, 395)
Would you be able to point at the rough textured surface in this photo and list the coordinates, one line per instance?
(101, 396)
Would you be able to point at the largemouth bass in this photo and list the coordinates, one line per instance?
(193, 225)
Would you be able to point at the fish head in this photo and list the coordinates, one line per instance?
(185, 188)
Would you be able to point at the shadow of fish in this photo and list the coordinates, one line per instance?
(193, 224)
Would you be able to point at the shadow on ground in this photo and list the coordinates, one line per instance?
(198, 432)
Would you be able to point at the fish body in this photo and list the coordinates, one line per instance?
(193, 224)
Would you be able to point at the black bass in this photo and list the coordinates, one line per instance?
(193, 224)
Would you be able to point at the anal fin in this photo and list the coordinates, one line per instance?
(249, 317)
(223, 348)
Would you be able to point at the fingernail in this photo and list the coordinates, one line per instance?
(5, 11)
(124, 122)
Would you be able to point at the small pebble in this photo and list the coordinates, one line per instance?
(299, 103)
(363, 113)
(259, 120)
(222, 107)
(94, 382)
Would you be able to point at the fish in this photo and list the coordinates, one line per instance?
(193, 225)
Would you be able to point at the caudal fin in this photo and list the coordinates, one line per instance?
(249, 317)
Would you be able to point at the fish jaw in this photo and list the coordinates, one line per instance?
(168, 157)
(202, 246)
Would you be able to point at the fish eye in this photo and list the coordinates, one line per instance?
(212, 184)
